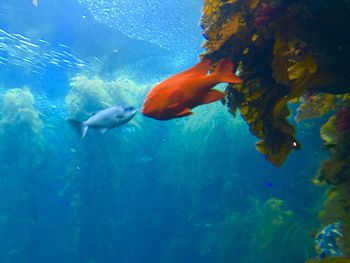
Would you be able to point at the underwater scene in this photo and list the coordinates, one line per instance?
(174, 131)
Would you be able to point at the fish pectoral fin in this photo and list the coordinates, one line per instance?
(212, 96)
(104, 130)
(184, 113)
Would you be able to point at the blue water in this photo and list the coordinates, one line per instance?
(186, 190)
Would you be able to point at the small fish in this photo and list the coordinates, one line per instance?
(35, 3)
(177, 95)
(105, 120)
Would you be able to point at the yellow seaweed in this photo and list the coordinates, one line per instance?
(89, 95)
(18, 108)
(329, 260)
(316, 106)
(328, 132)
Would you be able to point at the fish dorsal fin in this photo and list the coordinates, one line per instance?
(199, 69)
(174, 99)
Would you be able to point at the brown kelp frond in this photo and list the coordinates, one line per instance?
(279, 62)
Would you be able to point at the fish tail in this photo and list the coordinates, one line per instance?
(81, 127)
(224, 72)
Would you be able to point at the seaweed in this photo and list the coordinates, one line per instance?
(21, 126)
(315, 106)
(88, 95)
(278, 233)
(18, 109)
(329, 260)
(279, 62)
(24, 152)
(335, 171)
(93, 185)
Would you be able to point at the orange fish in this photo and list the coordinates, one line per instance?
(177, 95)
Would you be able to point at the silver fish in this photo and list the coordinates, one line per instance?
(105, 120)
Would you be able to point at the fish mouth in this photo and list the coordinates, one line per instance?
(145, 111)
(149, 113)
(154, 115)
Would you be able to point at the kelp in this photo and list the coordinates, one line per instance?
(278, 234)
(267, 232)
(94, 185)
(328, 132)
(216, 28)
(25, 159)
(89, 95)
(278, 61)
(18, 109)
(335, 171)
(336, 208)
(22, 125)
(267, 123)
(329, 260)
(315, 106)
(273, 216)
(234, 227)
(289, 51)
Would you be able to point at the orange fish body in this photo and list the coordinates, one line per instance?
(177, 95)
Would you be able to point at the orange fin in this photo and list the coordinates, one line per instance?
(224, 72)
(211, 96)
(199, 69)
(184, 113)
